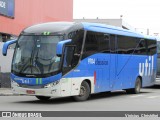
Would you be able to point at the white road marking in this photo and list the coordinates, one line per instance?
(153, 97)
(134, 96)
(150, 97)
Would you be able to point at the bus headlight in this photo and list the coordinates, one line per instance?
(15, 83)
(55, 83)
(51, 84)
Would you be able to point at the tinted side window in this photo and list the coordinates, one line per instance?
(96, 43)
(158, 47)
(126, 45)
(91, 43)
(77, 39)
(142, 47)
(112, 44)
(72, 50)
(152, 47)
(103, 43)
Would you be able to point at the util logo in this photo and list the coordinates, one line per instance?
(146, 68)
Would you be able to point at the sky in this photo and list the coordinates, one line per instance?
(140, 14)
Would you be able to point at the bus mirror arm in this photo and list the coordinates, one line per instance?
(5, 46)
(60, 46)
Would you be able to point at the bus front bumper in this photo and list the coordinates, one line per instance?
(49, 91)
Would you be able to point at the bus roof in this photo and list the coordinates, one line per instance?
(67, 26)
(113, 30)
(52, 27)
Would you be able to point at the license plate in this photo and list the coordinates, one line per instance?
(30, 91)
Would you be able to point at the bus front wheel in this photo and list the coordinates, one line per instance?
(43, 98)
(137, 87)
(84, 92)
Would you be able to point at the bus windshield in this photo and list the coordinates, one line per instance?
(36, 54)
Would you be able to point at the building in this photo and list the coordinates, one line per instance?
(15, 15)
(115, 22)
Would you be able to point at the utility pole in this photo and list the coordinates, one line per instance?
(147, 31)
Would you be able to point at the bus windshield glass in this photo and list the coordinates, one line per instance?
(35, 55)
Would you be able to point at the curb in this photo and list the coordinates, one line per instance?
(5, 92)
(8, 94)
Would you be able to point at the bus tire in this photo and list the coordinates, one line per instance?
(137, 87)
(84, 92)
(43, 98)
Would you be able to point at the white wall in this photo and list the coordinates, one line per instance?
(5, 61)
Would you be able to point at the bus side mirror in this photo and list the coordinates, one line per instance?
(60, 46)
(5, 46)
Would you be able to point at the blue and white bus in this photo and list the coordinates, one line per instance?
(60, 59)
(158, 57)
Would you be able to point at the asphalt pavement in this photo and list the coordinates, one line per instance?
(148, 100)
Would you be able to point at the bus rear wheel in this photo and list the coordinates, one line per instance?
(43, 98)
(84, 92)
(137, 87)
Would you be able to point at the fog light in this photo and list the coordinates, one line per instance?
(51, 84)
(47, 86)
(55, 83)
